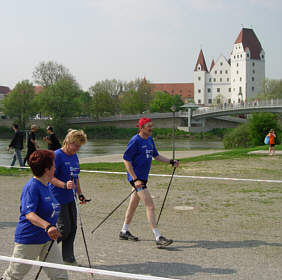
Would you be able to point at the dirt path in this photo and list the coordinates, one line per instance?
(233, 230)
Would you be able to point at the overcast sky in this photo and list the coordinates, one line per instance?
(127, 39)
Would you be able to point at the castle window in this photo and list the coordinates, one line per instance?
(199, 91)
(227, 79)
(209, 79)
(237, 55)
(262, 56)
(229, 89)
(253, 79)
(234, 57)
(210, 101)
(229, 100)
(220, 72)
(220, 79)
(240, 79)
(214, 79)
(218, 90)
(237, 64)
(237, 72)
(240, 89)
(248, 55)
(215, 72)
(226, 71)
(209, 90)
(221, 63)
(253, 88)
(199, 101)
(253, 64)
(241, 55)
(199, 67)
(199, 78)
(254, 71)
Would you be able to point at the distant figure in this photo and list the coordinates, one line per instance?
(17, 145)
(272, 137)
(31, 143)
(52, 140)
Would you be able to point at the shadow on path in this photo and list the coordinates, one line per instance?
(206, 244)
(7, 224)
(164, 269)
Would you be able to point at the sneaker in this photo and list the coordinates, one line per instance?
(127, 236)
(163, 242)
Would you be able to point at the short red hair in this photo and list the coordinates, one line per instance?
(40, 160)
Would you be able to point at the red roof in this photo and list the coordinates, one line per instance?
(212, 65)
(38, 89)
(4, 90)
(201, 61)
(249, 40)
(185, 90)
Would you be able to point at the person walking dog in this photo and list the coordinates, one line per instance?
(137, 160)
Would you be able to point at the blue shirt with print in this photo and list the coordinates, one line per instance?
(36, 198)
(65, 166)
(140, 152)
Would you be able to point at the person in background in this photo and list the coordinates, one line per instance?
(272, 137)
(17, 145)
(137, 160)
(31, 143)
(64, 184)
(36, 228)
(52, 140)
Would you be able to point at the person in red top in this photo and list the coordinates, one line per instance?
(272, 137)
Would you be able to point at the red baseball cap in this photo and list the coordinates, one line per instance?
(143, 121)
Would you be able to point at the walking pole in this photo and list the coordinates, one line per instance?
(173, 108)
(45, 257)
(110, 214)
(81, 226)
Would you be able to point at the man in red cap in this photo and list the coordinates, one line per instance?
(137, 160)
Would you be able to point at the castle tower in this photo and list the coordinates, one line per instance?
(247, 66)
(200, 72)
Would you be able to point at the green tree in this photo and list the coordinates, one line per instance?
(48, 73)
(238, 137)
(60, 101)
(271, 89)
(19, 103)
(85, 103)
(131, 103)
(162, 102)
(102, 104)
(259, 126)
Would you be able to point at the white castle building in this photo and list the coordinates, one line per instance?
(233, 80)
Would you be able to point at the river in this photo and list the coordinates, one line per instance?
(107, 147)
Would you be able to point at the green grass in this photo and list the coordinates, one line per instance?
(4, 171)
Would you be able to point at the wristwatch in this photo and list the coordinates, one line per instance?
(47, 228)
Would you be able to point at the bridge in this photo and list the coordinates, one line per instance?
(272, 106)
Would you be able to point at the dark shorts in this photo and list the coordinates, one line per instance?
(144, 185)
(272, 145)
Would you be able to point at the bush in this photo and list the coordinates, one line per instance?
(238, 137)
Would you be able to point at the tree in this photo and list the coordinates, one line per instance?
(85, 103)
(102, 104)
(271, 89)
(60, 101)
(48, 73)
(131, 103)
(259, 126)
(162, 102)
(19, 103)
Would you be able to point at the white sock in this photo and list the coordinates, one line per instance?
(156, 233)
(124, 228)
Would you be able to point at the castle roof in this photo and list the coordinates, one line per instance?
(201, 61)
(212, 65)
(249, 40)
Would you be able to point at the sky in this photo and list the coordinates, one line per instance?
(129, 39)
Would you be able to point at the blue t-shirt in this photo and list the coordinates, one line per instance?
(65, 165)
(140, 152)
(36, 198)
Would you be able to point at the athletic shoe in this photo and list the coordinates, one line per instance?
(163, 242)
(127, 236)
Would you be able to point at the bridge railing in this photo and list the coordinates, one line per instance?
(237, 106)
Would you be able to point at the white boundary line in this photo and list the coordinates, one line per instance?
(181, 176)
(84, 269)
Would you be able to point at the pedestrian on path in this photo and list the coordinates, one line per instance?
(17, 145)
(36, 228)
(31, 143)
(52, 140)
(137, 160)
(64, 182)
(272, 136)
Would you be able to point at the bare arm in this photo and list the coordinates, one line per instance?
(167, 160)
(39, 222)
(129, 169)
(60, 184)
